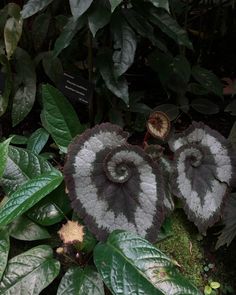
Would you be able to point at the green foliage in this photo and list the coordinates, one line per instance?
(4, 249)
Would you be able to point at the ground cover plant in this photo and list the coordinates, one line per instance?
(127, 186)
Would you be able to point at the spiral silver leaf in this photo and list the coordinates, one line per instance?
(204, 167)
(114, 185)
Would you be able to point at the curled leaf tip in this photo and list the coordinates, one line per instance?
(158, 125)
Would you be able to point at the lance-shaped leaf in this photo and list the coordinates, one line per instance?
(131, 265)
(81, 282)
(205, 166)
(124, 44)
(30, 272)
(34, 6)
(4, 249)
(4, 96)
(114, 4)
(123, 185)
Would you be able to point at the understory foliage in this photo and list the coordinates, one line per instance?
(87, 200)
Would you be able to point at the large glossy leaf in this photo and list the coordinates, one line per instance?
(59, 117)
(4, 249)
(208, 80)
(4, 96)
(51, 209)
(25, 86)
(124, 44)
(69, 31)
(98, 16)
(12, 29)
(34, 6)
(21, 166)
(118, 86)
(37, 140)
(30, 272)
(205, 106)
(22, 228)
(28, 195)
(3, 155)
(79, 7)
(131, 265)
(81, 282)
(40, 29)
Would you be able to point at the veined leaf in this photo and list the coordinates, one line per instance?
(28, 195)
(59, 117)
(24, 97)
(79, 7)
(4, 97)
(131, 265)
(21, 166)
(4, 249)
(37, 140)
(114, 4)
(30, 272)
(22, 228)
(81, 282)
(3, 155)
(124, 44)
(34, 6)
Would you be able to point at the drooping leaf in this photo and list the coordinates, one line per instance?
(79, 7)
(99, 15)
(12, 29)
(34, 6)
(204, 167)
(37, 140)
(69, 31)
(30, 272)
(114, 4)
(118, 86)
(131, 265)
(52, 209)
(4, 249)
(52, 67)
(229, 218)
(231, 107)
(40, 29)
(124, 44)
(59, 117)
(208, 80)
(28, 195)
(4, 96)
(21, 166)
(81, 282)
(24, 97)
(205, 106)
(3, 155)
(22, 228)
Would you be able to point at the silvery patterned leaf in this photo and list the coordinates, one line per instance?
(114, 185)
(204, 168)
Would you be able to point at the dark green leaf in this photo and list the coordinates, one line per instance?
(79, 7)
(3, 155)
(4, 97)
(40, 29)
(52, 67)
(30, 272)
(208, 80)
(118, 86)
(26, 86)
(34, 6)
(124, 44)
(28, 195)
(52, 209)
(114, 4)
(161, 3)
(37, 140)
(81, 282)
(25, 229)
(171, 110)
(71, 28)
(169, 26)
(181, 67)
(131, 265)
(22, 165)
(205, 106)
(231, 108)
(99, 15)
(4, 249)
(59, 117)
(197, 89)
(139, 107)
(19, 139)
(89, 242)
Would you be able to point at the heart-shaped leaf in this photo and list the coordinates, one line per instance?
(81, 282)
(4, 249)
(30, 272)
(131, 265)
